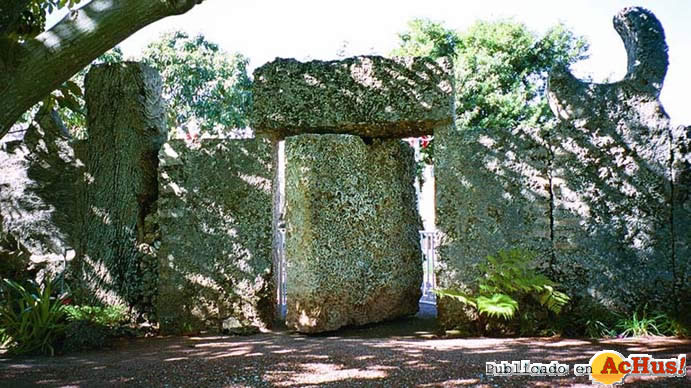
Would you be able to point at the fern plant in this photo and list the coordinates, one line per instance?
(508, 276)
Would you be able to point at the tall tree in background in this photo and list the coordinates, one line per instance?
(34, 62)
(207, 89)
(501, 67)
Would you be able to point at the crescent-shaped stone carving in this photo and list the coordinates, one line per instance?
(644, 39)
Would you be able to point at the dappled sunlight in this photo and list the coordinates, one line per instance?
(341, 359)
(456, 383)
(321, 373)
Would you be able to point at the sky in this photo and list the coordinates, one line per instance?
(310, 29)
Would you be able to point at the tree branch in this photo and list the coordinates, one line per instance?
(44, 63)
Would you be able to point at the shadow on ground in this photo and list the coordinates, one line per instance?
(395, 354)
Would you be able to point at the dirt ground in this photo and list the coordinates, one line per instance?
(395, 354)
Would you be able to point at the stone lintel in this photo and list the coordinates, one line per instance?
(368, 96)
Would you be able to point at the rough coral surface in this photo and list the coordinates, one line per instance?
(214, 213)
(603, 198)
(38, 211)
(622, 175)
(352, 243)
(492, 193)
(368, 96)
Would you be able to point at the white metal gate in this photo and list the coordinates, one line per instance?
(281, 271)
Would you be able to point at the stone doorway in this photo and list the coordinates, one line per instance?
(346, 218)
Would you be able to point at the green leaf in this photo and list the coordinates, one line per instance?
(456, 295)
(498, 305)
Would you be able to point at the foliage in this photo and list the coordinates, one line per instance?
(595, 329)
(32, 19)
(501, 68)
(31, 317)
(107, 316)
(85, 335)
(636, 326)
(68, 99)
(591, 319)
(672, 326)
(92, 327)
(426, 38)
(207, 89)
(507, 277)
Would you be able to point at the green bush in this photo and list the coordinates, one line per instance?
(93, 327)
(107, 316)
(31, 317)
(672, 326)
(588, 317)
(509, 277)
(85, 335)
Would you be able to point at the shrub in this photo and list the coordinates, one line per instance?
(508, 278)
(31, 317)
(588, 317)
(92, 327)
(672, 326)
(85, 335)
(107, 316)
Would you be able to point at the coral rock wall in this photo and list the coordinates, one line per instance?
(214, 213)
(603, 198)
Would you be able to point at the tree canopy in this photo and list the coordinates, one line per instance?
(501, 67)
(207, 89)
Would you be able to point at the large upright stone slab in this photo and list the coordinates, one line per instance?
(39, 216)
(602, 198)
(126, 128)
(352, 243)
(621, 173)
(368, 96)
(493, 193)
(214, 213)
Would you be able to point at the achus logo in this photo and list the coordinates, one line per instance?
(609, 367)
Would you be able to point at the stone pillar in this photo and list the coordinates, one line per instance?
(352, 242)
(126, 128)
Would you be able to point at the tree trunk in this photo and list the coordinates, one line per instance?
(32, 69)
(126, 122)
